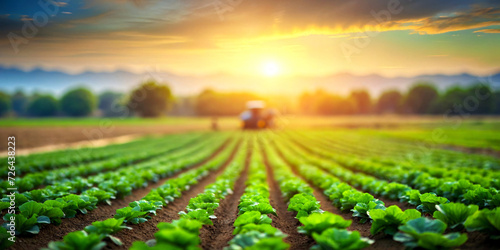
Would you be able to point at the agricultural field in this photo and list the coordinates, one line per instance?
(283, 189)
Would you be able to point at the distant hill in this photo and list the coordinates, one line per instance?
(57, 82)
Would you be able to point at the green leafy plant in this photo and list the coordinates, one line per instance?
(341, 239)
(4, 239)
(479, 196)
(427, 233)
(317, 223)
(395, 190)
(412, 197)
(199, 214)
(79, 240)
(304, 205)
(261, 207)
(361, 209)
(336, 192)
(146, 206)
(485, 221)
(171, 238)
(390, 219)
(257, 240)
(190, 225)
(101, 195)
(291, 187)
(107, 228)
(454, 214)
(269, 230)
(131, 215)
(25, 225)
(352, 197)
(81, 203)
(253, 217)
(39, 210)
(429, 202)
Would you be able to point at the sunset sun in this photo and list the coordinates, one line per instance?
(271, 68)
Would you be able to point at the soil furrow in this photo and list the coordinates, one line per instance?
(102, 212)
(218, 235)
(145, 231)
(381, 241)
(285, 221)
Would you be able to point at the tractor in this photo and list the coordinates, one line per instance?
(257, 116)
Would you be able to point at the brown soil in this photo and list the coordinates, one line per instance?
(218, 235)
(52, 232)
(35, 138)
(480, 241)
(285, 221)
(482, 151)
(145, 231)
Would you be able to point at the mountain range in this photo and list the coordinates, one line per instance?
(57, 82)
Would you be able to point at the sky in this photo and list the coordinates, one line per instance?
(253, 37)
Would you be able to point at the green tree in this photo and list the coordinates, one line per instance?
(420, 98)
(363, 101)
(110, 103)
(19, 102)
(78, 102)
(480, 99)
(389, 101)
(4, 103)
(452, 96)
(329, 104)
(496, 98)
(151, 99)
(42, 106)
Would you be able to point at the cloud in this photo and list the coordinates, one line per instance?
(476, 18)
(60, 4)
(172, 27)
(491, 31)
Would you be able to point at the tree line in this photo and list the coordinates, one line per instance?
(153, 99)
(421, 98)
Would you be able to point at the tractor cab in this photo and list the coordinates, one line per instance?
(257, 116)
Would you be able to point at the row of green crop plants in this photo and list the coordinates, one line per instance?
(52, 204)
(63, 158)
(414, 230)
(179, 234)
(453, 189)
(464, 166)
(59, 176)
(328, 170)
(371, 144)
(252, 228)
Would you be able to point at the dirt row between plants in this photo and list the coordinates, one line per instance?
(52, 232)
(381, 242)
(145, 231)
(218, 235)
(285, 221)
